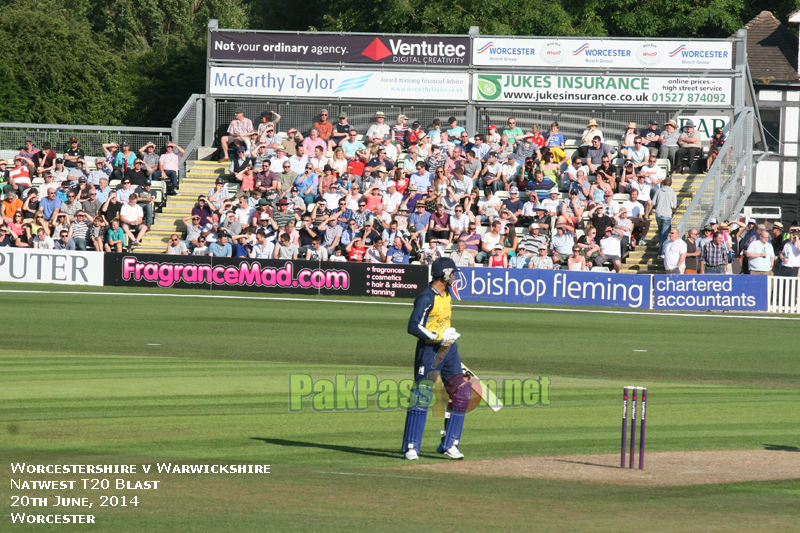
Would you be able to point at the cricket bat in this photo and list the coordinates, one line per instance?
(480, 388)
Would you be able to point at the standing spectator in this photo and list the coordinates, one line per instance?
(665, 202)
(238, 126)
(675, 252)
(689, 148)
(693, 251)
(790, 255)
(714, 257)
(761, 256)
(72, 156)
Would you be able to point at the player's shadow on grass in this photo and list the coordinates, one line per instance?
(347, 449)
(583, 463)
(779, 448)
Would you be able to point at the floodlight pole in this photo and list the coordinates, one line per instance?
(211, 102)
(472, 115)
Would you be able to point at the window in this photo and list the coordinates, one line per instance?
(771, 120)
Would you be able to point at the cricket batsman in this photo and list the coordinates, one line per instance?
(437, 353)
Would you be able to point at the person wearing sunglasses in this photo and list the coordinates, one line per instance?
(639, 155)
(176, 246)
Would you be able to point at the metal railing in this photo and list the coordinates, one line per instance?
(92, 138)
(303, 115)
(728, 183)
(187, 131)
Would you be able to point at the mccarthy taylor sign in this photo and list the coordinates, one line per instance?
(328, 48)
(393, 85)
(633, 54)
(598, 90)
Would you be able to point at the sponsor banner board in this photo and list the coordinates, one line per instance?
(711, 292)
(258, 275)
(553, 287)
(51, 266)
(603, 53)
(328, 48)
(391, 85)
(601, 90)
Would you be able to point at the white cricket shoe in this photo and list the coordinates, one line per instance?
(411, 455)
(453, 453)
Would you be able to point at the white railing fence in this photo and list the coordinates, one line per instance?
(783, 294)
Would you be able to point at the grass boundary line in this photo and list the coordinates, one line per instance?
(463, 306)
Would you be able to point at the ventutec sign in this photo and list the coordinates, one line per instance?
(711, 292)
(663, 55)
(325, 48)
(394, 85)
(600, 90)
(553, 287)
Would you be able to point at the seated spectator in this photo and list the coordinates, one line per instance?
(498, 259)
(596, 153)
(587, 139)
(238, 126)
(64, 242)
(42, 241)
(116, 237)
(220, 247)
(669, 141)
(356, 250)
(541, 185)
(439, 225)
(541, 260)
(588, 244)
(513, 131)
(434, 251)
(607, 171)
(627, 140)
(502, 149)
(651, 137)
(78, 231)
(534, 238)
(562, 244)
(526, 148)
(610, 249)
(489, 240)
(689, 148)
(136, 175)
(176, 246)
(132, 218)
(463, 257)
(97, 232)
(555, 142)
(380, 130)
(420, 219)
(642, 193)
(377, 253)
(316, 252)
(717, 141)
(576, 262)
(399, 252)
(520, 260)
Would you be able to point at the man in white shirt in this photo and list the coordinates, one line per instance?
(611, 248)
(299, 160)
(489, 240)
(132, 216)
(332, 195)
(610, 206)
(571, 174)
(379, 130)
(262, 249)
(461, 256)
(653, 173)
(391, 150)
(244, 213)
(511, 169)
(421, 178)
(459, 222)
(675, 253)
(277, 160)
(639, 154)
(636, 212)
(761, 255)
(391, 198)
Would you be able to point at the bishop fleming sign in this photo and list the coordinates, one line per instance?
(330, 48)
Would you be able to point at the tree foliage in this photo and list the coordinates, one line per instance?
(135, 62)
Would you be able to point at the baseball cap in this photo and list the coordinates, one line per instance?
(492, 127)
(498, 246)
(714, 221)
(608, 194)
(534, 226)
(522, 247)
(436, 121)
(653, 122)
(492, 154)
(342, 115)
(540, 208)
(241, 149)
(415, 124)
(513, 190)
(264, 216)
(71, 139)
(28, 140)
(749, 221)
(412, 228)
(82, 180)
(390, 183)
(512, 156)
(220, 180)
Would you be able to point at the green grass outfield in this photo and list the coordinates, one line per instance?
(133, 379)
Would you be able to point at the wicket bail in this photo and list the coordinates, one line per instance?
(633, 425)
